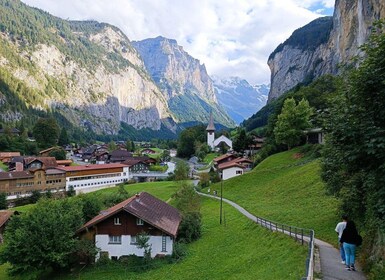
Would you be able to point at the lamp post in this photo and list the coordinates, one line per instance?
(220, 216)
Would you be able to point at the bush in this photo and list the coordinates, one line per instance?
(179, 251)
(190, 228)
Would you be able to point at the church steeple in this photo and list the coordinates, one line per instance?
(210, 132)
(210, 126)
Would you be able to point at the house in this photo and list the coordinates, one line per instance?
(5, 215)
(119, 156)
(116, 229)
(6, 157)
(173, 153)
(231, 169)
(148, 151)
(46, 152)
(39, 162)
(92, 177)
(22, 183)
(136, 165)
(224, 158)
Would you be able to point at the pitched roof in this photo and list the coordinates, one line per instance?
(146, 207)
(91, 167)
(47, 161)
(211, 126)
(132, 161)
(9, 154)
(230, 164)
(120, 154)
(4, 216)
(48, 150)
(222, 157)
(15, 175)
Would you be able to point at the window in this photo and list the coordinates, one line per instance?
(117, 221)
(113, 239)
(238, 172)
(134, 240)
(139, 222)
(164, 243)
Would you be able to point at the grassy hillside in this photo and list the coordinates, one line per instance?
(239, 250)
(286, 188)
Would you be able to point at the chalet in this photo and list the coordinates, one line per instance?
(101, 157)
(22, 183)
(115, 230)
(119, 156)
(89, 153)
(235, 167)
(224, 158)
(92, 177)
(230, 169)
(148, 151)
(39, 162)
(46, 152)
(136, 165)
(6, 157)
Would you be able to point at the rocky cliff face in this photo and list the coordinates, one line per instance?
(239, 98)
(323, 45)
(184, 82)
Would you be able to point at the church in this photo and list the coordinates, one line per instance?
(211, 141)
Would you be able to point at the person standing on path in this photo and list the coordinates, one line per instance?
(339, 229)
(349, 239)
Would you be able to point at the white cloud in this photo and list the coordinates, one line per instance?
(232, 38)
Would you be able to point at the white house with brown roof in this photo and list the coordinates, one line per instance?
(115, 230)
(231, 167)
(92, 177)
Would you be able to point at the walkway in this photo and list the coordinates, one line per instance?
(331, 268)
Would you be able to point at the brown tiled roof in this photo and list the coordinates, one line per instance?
(4, 216)
(91, 167)
(132, 161)
(9, 154)
(54, 171)
(15, 175)
(239, 160)
(64, 161)
(46, 161)
(120, 154)
(146, 207)
(222, 157)
(230, 164)
(47, 150)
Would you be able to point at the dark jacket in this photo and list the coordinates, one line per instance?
(350, 234)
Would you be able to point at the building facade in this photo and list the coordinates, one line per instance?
(89, 178)
(117, 229)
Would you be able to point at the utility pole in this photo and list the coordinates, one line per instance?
(220, 216)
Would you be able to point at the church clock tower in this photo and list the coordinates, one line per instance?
(211, 132)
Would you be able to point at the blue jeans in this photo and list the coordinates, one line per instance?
(342, 251)
(350, 253)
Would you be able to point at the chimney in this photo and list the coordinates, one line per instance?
(137, 196)
(19, 166)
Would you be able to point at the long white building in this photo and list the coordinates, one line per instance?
(92, 177)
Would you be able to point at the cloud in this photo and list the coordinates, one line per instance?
(232, 38)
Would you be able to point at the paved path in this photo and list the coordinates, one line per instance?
(331, 268)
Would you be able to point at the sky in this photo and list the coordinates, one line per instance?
(231, 37)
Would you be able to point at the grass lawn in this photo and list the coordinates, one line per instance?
(238, 250)
(209, 157)
(286, 189)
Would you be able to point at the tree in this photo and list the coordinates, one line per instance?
(354, 156)
(63, 138)
(112, 146)
(3, 200)
(240, 142)
(188, 202)
(188, 138)
(292, 121)
(46, 132)
(42, 238)
(58, 153)
(181, 171)
(128, 145)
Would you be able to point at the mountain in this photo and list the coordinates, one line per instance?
(324, 45)
(239, 98)
(89, 76)
(184, 82)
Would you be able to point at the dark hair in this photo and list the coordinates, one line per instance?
(345, 217)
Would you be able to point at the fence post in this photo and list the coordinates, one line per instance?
(302, 236)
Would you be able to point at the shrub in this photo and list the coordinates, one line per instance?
(190, 228)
